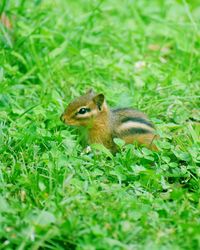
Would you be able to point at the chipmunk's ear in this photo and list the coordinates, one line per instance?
(90, 92)
(99, 100)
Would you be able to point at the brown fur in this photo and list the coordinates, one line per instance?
(104, 124)
(146, 140)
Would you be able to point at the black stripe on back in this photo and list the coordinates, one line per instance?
(123, 109)
(137, 119)
(133, 131)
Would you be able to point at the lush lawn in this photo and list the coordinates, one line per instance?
(142, 53)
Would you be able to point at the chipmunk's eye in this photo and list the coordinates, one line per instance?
(82, 111)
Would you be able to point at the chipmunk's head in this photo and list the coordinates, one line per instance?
(84, 109)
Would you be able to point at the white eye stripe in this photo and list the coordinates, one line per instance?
(82, 116)
(83, 107)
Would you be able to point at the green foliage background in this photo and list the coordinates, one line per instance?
(141, 53)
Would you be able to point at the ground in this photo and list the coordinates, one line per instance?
(142, 54)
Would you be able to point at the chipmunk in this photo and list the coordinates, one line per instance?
(105, 124)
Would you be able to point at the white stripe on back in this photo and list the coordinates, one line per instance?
(130, 124)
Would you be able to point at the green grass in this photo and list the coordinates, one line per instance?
(52, 194)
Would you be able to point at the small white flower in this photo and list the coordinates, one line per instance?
(139, 65)
(163, 60)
